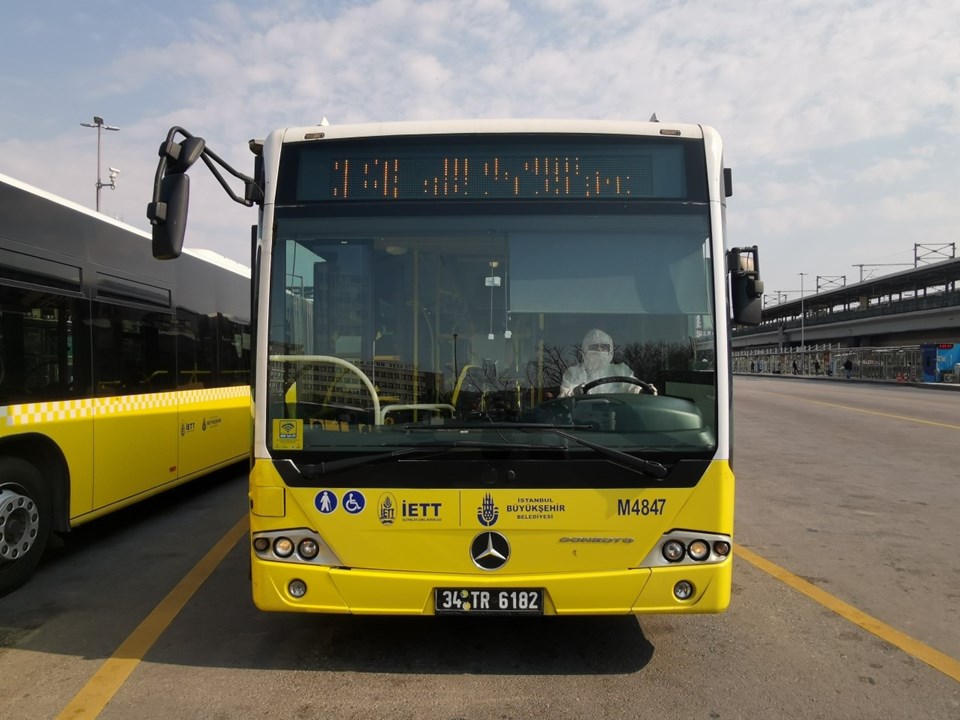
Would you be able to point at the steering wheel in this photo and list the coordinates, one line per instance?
(648, 388)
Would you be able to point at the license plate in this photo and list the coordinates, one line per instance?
(489, 601)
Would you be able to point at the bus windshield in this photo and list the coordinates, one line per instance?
(396, 330)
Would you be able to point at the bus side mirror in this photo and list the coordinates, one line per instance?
(746, 287)
(168, 216)
(171, 195)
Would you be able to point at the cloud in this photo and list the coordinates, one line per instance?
(890, 170)
(926, 206)
(897, 169)
(820, 103)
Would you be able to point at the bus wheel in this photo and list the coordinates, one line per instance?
(24, 521)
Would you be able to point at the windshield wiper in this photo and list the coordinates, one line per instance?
(420, 451)
(481, 425)
(323, 468)
(646, 467)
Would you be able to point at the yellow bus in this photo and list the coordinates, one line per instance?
(493, 365)
(119, 376)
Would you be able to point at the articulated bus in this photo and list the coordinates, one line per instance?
(119, 376)
(492, 366)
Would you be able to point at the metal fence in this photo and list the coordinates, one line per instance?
(880, 363)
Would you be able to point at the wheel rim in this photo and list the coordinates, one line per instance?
(19, 524)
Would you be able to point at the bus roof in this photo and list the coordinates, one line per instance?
(472, 127)
(27, 200)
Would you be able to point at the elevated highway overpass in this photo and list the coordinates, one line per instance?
(912, 307)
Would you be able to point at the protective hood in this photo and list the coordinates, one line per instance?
(597, 350)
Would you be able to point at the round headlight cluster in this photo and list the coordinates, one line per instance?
(675, 550)
(293, 547)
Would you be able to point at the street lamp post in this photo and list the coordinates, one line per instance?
(98, 124)
(802, 313)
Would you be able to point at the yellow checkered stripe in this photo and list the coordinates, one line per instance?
(231, 392)
(34, 413)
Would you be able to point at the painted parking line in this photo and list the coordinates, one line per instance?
(921, 421)
(892, 416)
(109, 678)
(934, 658)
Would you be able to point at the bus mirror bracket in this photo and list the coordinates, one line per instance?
(171, 189)
(746, 287)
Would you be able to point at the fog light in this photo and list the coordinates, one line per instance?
(297, 588)
(699, 550)
(683, 590)
(283, 547)
(308, 549)
(721, 548)
(261, 544)
(673, 550)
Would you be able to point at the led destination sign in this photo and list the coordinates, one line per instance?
(509, 168)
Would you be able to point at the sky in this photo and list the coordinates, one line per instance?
(840, 118)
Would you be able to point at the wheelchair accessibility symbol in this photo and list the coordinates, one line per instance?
(354, 502)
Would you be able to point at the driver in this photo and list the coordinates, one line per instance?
(597, 350)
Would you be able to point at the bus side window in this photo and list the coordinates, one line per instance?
(234, 352)
(197, 350)
(42, 347)
(134, 350)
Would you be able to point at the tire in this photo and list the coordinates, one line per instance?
(25, 515)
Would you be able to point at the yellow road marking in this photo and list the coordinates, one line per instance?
(871, 412)
(888, 415)
(117, 668)
(934, 658)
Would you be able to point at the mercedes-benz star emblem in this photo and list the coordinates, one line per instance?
(490, 551)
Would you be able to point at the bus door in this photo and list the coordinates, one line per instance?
(135, 422)
(213, 380)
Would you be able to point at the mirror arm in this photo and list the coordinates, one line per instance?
(209, 158)
(156, 211)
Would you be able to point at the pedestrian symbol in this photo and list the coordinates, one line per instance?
(326, 501)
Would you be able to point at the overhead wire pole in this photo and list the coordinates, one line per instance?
(863, 265)
(99, 125)
(802, 275)
(937, 251)
(825, 282)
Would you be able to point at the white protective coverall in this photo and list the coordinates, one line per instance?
(597, 350)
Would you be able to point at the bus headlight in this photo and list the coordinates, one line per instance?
(688, 547)
(308, 548)
(294, 545)
(283, 547)
(699, 550)
(673, 550)
(261, 544)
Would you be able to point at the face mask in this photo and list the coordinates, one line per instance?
(595, 359)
